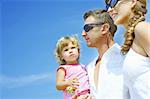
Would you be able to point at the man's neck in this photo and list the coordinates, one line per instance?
(102, 48)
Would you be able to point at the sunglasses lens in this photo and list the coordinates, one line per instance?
(111, 3)
(107, 7)
(87, 28)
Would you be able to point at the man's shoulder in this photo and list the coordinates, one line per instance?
(117, 50)
(114, 51)
(116, 46)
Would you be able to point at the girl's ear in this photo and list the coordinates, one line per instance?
(105, 28)
(61, 57)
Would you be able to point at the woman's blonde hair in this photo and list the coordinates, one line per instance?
(63, 42)
(139, 11)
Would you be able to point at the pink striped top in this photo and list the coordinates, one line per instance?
(78, 71)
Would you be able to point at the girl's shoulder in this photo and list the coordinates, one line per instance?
(72, 66)
(82, 65)
(64, 68)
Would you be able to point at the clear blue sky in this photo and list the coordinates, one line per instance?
(29, 30)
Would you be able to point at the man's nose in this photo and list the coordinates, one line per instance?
(83, 33)
(110, 11)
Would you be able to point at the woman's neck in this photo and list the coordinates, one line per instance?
(127, 21)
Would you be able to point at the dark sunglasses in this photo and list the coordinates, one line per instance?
(88, 27)
(110, 3)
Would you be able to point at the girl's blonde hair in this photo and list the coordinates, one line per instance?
(63, 42)
(139, 11)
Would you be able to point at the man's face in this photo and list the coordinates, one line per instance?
(92, 31)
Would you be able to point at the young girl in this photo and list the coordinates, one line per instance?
(131, 14)
(71, 76)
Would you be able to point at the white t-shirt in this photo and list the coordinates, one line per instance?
(110, 81)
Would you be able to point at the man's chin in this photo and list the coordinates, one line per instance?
(89, 45)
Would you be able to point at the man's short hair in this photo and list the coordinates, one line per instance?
(102, 16)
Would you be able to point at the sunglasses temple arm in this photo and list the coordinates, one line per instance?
(107, 6)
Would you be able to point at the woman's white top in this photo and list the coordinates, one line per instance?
(136, 69)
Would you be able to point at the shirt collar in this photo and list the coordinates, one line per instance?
(115, 48)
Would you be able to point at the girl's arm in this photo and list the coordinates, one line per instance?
(142, 32)
(61, 83)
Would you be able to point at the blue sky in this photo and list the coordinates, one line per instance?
(29, 30)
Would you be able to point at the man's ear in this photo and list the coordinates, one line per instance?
(133, 3)
(105, 28)
(79, 50)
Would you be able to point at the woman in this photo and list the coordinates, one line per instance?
(131, 14)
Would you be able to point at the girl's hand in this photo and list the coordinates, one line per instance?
(86, 96)
(72, 85)
(73, 82)
(70, 89)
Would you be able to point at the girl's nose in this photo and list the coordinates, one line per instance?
(70, 50)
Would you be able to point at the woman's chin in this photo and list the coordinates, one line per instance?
(121, 20)
(115, 20)
(118, 21)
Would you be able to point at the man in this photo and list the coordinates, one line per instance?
(105, 71)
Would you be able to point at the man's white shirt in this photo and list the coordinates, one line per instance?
(110, 80)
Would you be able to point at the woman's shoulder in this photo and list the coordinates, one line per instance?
(142, 28)
(142, 35)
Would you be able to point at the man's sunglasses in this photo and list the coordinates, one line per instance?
(110, 3)
(88, 27)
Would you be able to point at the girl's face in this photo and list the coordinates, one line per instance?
(121, 12)
(70, 54)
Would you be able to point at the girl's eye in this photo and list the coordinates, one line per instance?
(73, 47)
(66, 50)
